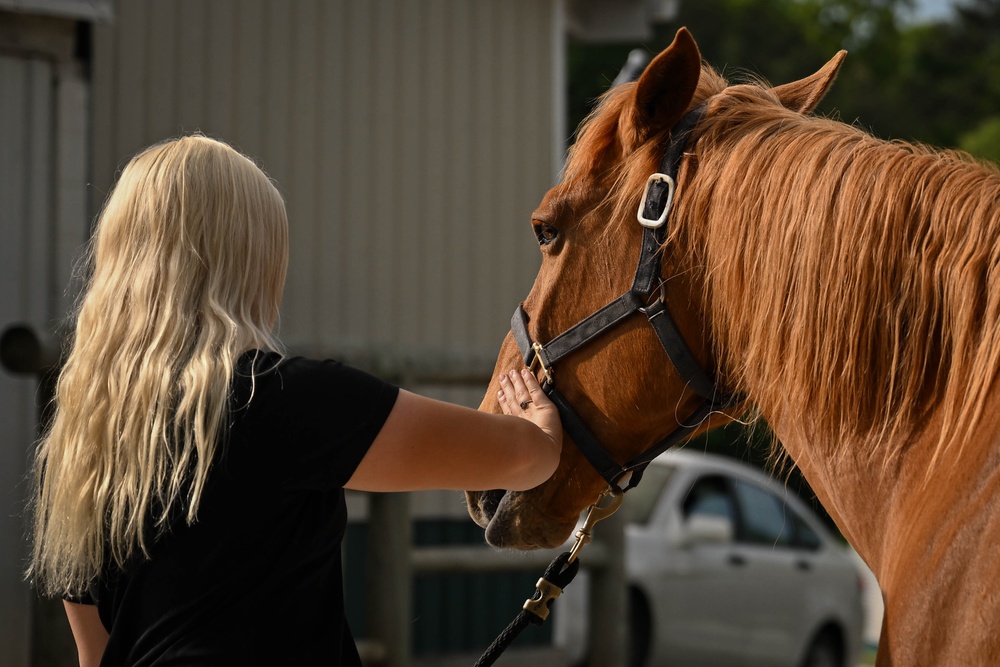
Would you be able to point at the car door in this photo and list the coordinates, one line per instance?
(701, 625)
(775, 576)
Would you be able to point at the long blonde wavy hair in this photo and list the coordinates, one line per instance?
(187, 264)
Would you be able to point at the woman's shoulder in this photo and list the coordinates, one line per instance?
(264, 371)
(269, 366)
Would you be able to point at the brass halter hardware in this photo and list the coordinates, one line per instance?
(539, 361)
(598, 512)
(546, 591)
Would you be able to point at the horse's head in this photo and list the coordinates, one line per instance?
(620, 381)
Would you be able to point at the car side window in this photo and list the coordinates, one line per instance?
(643, 499)
(805, 536)
(764, 517)
(710, 496)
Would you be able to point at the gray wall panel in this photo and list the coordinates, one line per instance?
(410, 139)
(24, 84)
(42, 225)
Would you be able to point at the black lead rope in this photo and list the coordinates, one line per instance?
(556, 577)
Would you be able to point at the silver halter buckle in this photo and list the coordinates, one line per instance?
(652, 223)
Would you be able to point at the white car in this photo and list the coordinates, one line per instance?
(726, 567)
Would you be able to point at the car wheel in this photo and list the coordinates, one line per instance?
(824, 652)
(640, 629)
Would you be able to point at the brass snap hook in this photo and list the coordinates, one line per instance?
(598, 512)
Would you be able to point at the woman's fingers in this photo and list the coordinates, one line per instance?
(510, 395)
(535, 392)
(515, 395)
(505, 389)
(522, 396)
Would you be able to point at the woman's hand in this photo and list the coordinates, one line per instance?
(520, 395)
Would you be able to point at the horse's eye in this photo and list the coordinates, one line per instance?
(546, 233)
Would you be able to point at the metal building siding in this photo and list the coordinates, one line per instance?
(411, 141)
(26, 95)
(42, 224)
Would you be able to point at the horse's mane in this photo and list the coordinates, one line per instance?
(849, 279)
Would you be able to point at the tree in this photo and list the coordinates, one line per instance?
(984, 140)
(934, 83)
(950, 74)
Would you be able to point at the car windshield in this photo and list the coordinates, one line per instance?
(640, 501)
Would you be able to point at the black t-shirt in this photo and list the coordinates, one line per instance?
(257, 580)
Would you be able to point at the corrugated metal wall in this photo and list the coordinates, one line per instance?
(22, 229)
(42, 224)
(411, 139)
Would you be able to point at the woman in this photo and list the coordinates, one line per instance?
(190, 504)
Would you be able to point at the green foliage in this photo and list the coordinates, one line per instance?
(984, 140)
(937, 83)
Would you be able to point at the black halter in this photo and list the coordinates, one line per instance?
(653, 213)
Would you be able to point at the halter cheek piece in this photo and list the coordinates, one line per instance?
(653, 213)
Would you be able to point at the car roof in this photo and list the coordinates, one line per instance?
(703, 461)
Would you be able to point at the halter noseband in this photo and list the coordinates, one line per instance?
(653, 213)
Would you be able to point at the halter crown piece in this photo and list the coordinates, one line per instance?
(654, 211)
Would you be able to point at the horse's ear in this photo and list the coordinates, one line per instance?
(803, 95)
(666, 87)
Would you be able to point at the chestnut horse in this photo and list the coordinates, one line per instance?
(847, 289)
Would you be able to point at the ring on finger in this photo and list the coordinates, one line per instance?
(525, 404)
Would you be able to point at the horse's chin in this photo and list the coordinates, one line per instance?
(511, 522)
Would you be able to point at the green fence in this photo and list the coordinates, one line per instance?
(454, 612)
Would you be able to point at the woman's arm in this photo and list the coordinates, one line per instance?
(88, 631)
(428, 444)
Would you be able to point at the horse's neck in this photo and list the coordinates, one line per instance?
(856, 496)
(874, 503)
(930, 540)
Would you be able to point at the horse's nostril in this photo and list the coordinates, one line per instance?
(489, 501)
